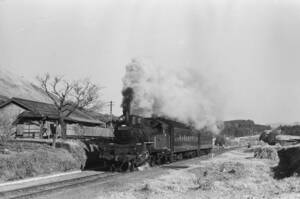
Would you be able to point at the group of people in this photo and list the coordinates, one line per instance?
(44, 132)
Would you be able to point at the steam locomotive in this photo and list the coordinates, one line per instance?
(153, 140)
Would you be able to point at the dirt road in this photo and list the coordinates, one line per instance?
(234, 174)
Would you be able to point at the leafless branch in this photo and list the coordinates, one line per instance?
(69, 96)
(44, 83)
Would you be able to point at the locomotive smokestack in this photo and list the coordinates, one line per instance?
(127, 99)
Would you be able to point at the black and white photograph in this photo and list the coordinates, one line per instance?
(149, 99)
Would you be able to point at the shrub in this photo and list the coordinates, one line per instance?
(45, 160)
(77, 148)
(289, 162)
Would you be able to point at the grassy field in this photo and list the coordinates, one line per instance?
(233, 175)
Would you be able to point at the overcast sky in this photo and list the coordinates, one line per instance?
(248, 47)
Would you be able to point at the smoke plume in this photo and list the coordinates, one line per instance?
(127, 99)
(183, 95)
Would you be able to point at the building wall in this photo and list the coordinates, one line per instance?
(72, 130)
(79, 130)
(8, 115)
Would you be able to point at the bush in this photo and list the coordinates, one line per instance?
(29, 163)
(77, 148)
(289, 162)
(269, 137)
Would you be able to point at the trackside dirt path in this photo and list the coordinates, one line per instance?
(234, 174)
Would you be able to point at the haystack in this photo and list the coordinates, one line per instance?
(266, 152)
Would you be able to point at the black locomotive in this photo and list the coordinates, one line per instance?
(155, 140)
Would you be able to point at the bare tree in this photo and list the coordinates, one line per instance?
(68, 96)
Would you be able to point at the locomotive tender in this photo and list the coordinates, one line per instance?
(155, 140)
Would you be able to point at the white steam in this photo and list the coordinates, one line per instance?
(182, 94)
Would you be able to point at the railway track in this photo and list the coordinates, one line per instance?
(38, 190)
(44, 189)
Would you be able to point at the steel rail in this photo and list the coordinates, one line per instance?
(37, 190)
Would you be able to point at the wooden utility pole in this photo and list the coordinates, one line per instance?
(111, 116)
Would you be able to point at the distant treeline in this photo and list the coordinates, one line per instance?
(290, 130)
(240, 128)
